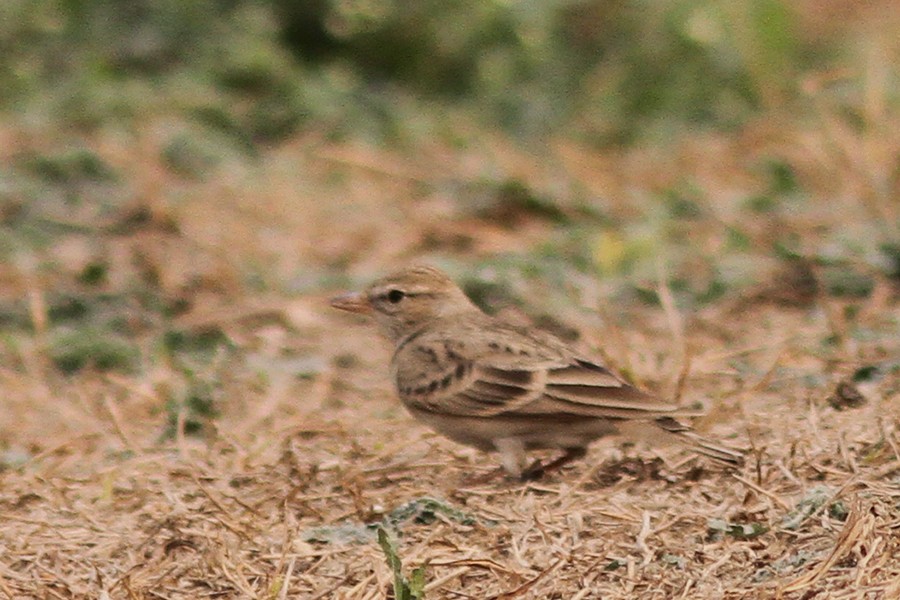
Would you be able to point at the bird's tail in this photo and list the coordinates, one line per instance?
(700, 444)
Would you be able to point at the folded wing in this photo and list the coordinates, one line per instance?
(488, 381)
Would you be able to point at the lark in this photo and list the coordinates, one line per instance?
(500, 387)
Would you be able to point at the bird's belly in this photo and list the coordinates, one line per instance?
(536, 432)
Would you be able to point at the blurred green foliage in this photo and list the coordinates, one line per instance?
(257, 70)
(101, 349)
(226, 78)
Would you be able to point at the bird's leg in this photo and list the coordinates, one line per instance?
(512, 455)
(537, 470)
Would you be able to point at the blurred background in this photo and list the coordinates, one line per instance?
(705, 194)
(180, 180)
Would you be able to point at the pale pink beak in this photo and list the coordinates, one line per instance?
(352, 302)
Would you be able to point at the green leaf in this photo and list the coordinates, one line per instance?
(417, 582)
(742, 531)
(393, 560)
(425, 511)
(807, 505)
(614, 564)
(404, 589)
(866, 373)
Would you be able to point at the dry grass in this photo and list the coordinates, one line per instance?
(105, 509)
(94, 504)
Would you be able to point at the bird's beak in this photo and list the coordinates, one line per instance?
(352, 302)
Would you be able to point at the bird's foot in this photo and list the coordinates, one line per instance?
(538, 469)
(535, 471)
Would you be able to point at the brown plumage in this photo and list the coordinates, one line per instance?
(498, 387)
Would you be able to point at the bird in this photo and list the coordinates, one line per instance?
(501, 387)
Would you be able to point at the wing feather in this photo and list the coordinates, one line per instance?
(529, 374)
(582, 372)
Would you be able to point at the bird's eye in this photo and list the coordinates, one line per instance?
(394, 296)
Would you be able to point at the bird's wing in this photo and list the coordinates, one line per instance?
(513, 372)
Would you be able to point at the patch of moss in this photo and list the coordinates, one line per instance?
(70, 166)
(74, 349)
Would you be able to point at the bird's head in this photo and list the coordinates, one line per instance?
(406, 301)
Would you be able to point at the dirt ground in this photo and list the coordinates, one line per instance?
(245, 441)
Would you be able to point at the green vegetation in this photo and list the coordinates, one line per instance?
(704, 194)
(405, 588)
(257, 72)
